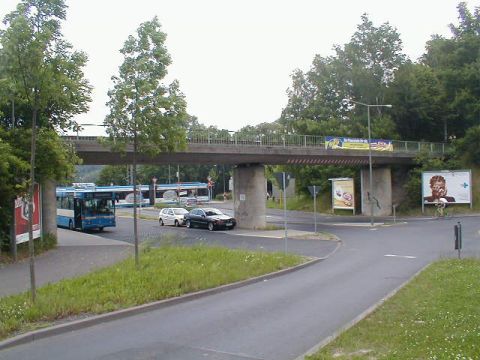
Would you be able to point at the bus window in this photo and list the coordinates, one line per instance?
(98, 206)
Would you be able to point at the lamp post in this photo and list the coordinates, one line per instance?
(370, 170)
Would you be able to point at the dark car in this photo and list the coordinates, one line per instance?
(209, 218)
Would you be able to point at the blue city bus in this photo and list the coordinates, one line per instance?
(85, 208)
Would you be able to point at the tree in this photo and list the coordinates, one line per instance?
(11, 166)
(417, 97)
(144, 112)
(44, 75)
(361, 70)
(467, 147)
(455, 62)
(116, 174)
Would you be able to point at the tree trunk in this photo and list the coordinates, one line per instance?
(31, 195)
(135, 216)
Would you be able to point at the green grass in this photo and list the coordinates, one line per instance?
(436, 316)
(165, 272)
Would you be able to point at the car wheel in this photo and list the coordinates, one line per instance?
(70, 225)
(189, 224)
(210, 226)
(177, 224)
(161, 222)
(100, 229)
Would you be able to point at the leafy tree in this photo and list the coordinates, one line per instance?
(467, 149)
(417, 97)
(144, 112)
(318, 100)
(361, 70)
(11, 166)
(116, 174)
(44, 77)
(456, 64)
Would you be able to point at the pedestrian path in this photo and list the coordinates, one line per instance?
(77, 253)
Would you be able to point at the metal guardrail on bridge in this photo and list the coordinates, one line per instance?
(287, 140)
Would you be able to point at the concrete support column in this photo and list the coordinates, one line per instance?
(382, 191)
(249, 194)
(49, 208)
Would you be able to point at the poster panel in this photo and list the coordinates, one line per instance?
(21, 217)
(449, 186)
(343, 194)
(332, 142)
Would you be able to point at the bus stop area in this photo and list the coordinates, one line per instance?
(77, 253)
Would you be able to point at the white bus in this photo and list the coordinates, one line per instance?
(186, 193)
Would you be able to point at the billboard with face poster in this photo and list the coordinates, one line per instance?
(21, 217)
(449, 186)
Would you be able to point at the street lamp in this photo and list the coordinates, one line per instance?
(370, 171)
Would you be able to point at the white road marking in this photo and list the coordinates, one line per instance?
(401, 256)
(354, 224)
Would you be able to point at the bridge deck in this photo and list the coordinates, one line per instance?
(269, 150)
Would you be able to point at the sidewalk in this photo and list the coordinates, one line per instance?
(77, 253)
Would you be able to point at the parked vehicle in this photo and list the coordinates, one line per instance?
(172, 216)
(209, 218)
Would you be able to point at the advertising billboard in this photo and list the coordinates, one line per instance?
(343, 194)
(332, 142)
(21, 217)
(449, 186)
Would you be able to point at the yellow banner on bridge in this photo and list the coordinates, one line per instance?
(332, 142)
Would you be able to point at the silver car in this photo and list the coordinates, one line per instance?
(172, 216)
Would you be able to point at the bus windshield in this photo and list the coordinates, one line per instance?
(98, 207)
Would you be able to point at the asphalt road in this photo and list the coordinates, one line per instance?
(277, 319)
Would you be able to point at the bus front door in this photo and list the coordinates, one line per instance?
(77, 210)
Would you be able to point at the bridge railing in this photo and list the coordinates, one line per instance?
(286, 140)
(293, 140)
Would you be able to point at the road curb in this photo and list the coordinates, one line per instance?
(98, 319)
(359, 317)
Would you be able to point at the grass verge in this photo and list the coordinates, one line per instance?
(436, 316)
(164, 272)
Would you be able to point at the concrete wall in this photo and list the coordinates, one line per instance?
(382, 191)
(49, 208)
(249, 195)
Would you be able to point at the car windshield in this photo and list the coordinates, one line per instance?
(180, 211)
(212, 212)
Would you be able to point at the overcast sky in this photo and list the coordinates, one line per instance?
(234, 59)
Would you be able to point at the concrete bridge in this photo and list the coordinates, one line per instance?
(206, 148)
(251, 152)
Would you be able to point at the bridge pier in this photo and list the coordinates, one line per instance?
(249, 194)
(49, 208)
(382, 191)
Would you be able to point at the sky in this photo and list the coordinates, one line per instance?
(234, 59)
